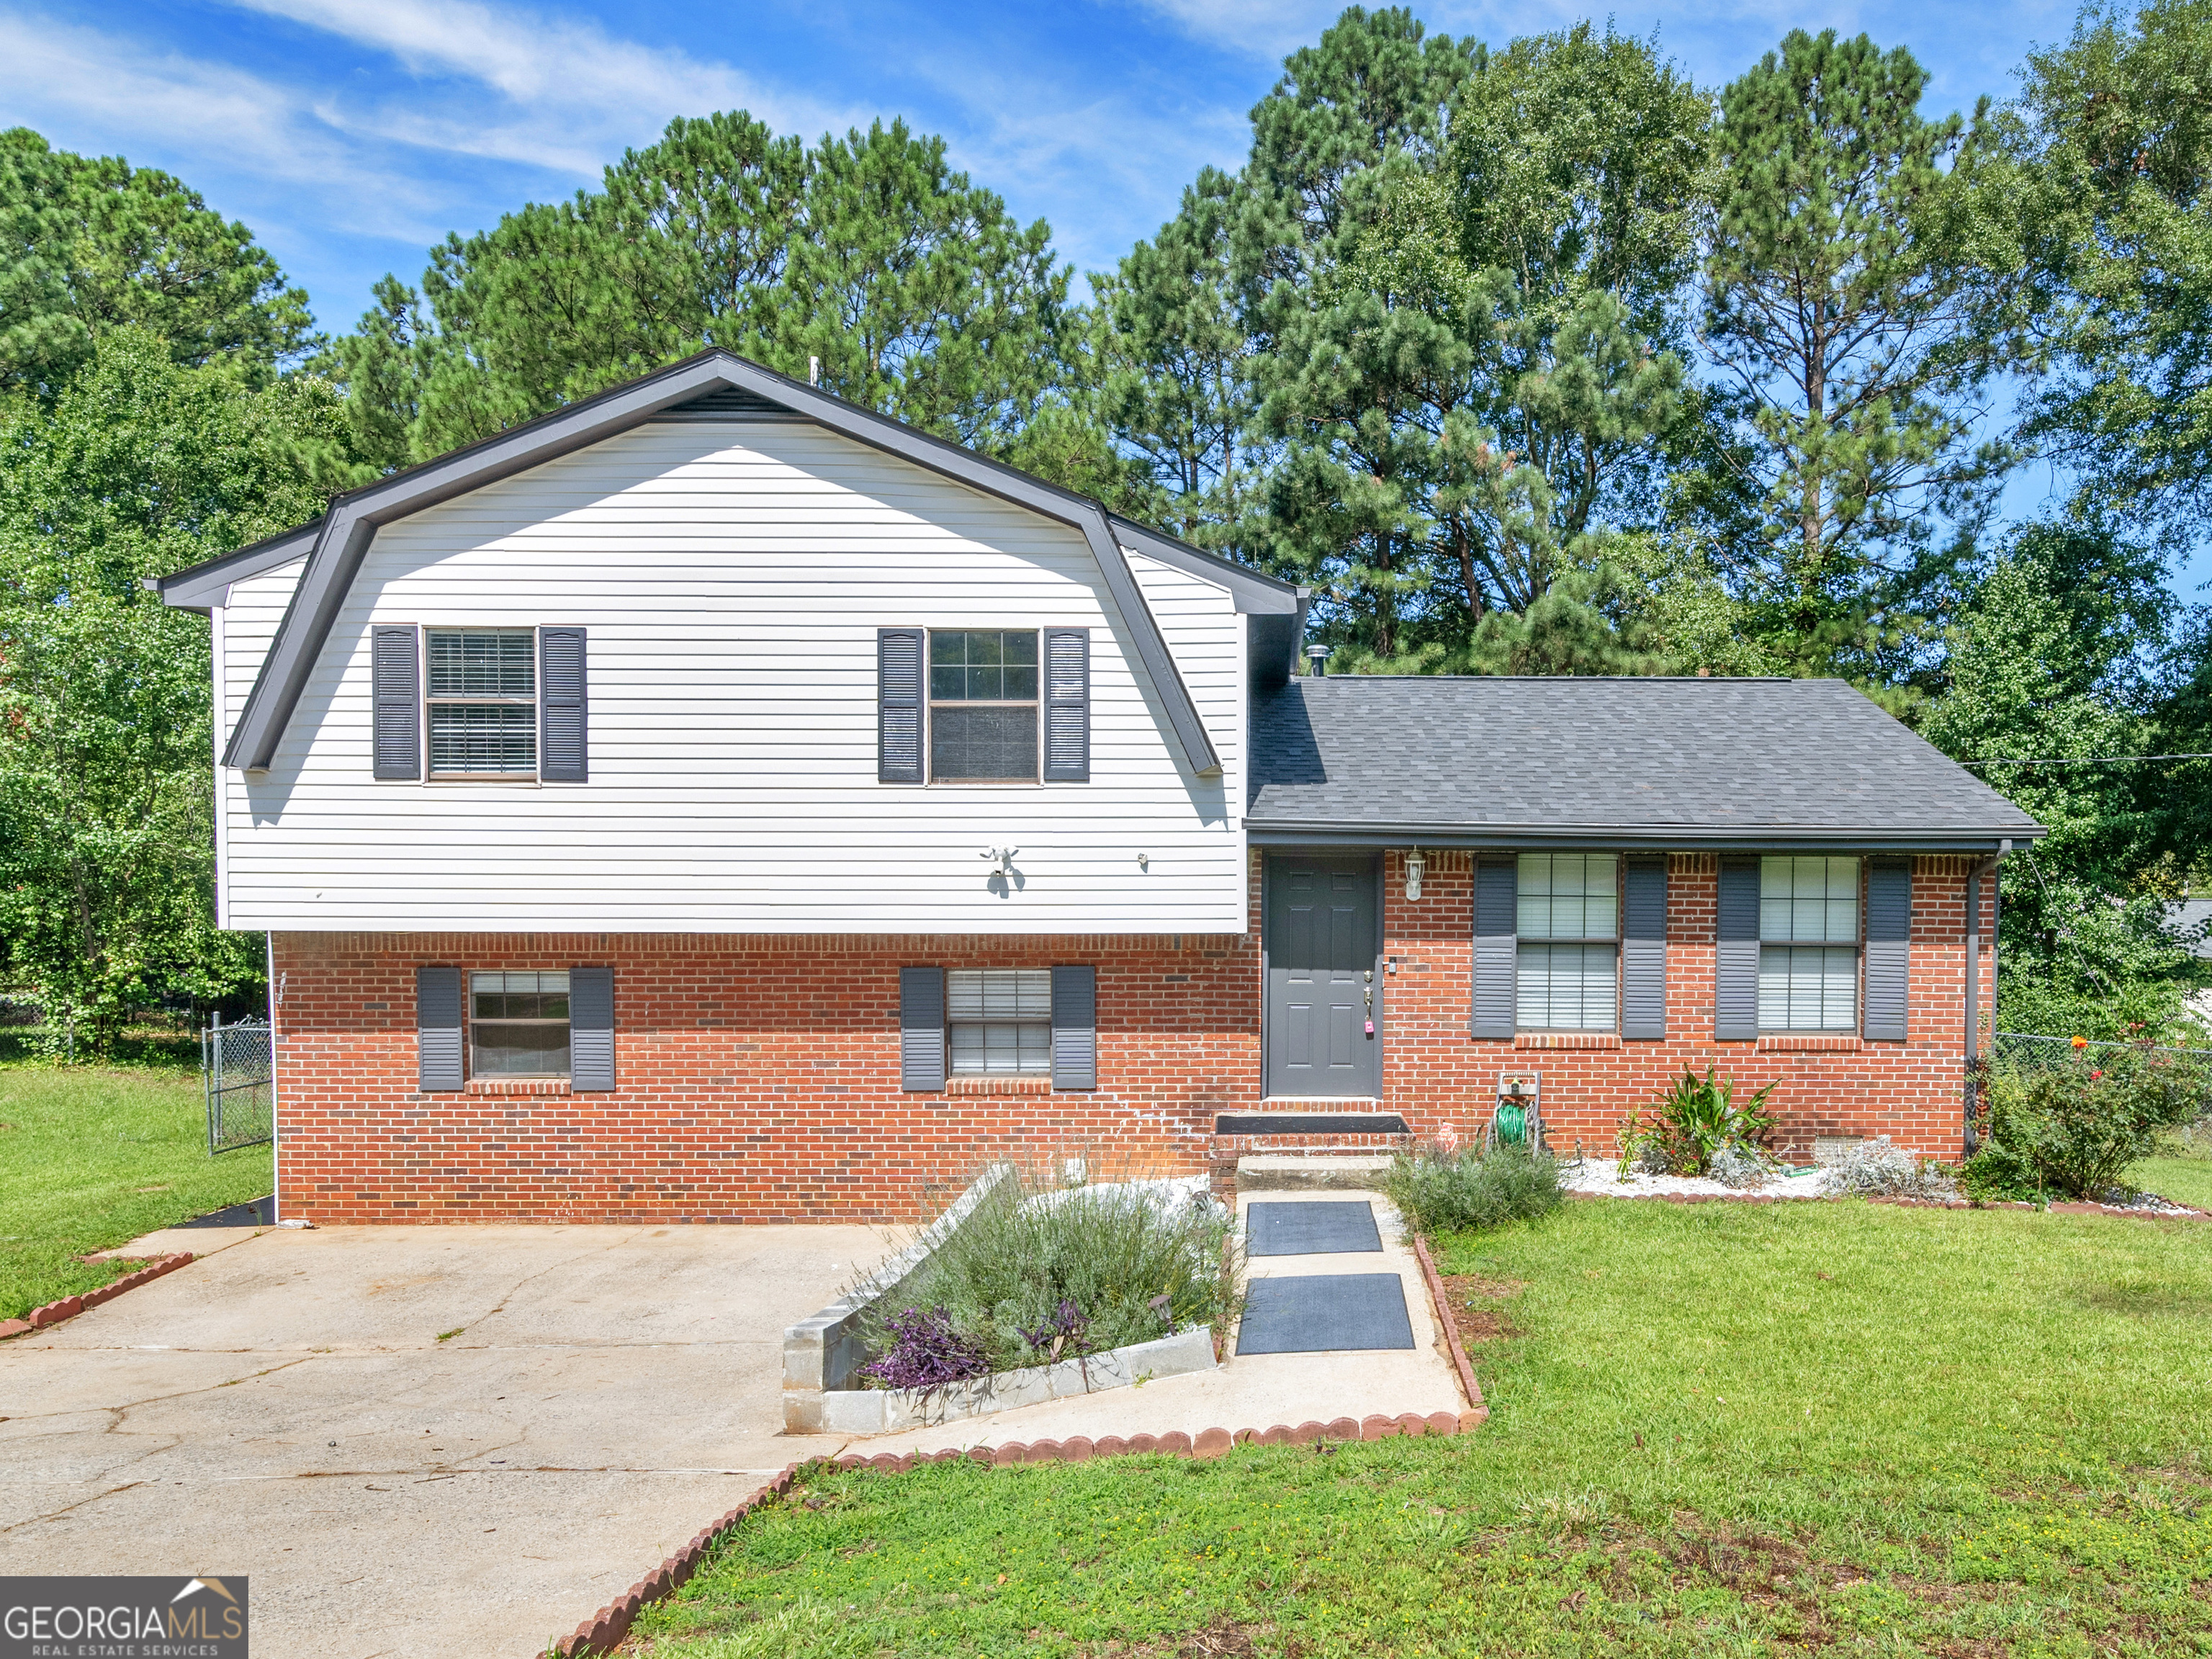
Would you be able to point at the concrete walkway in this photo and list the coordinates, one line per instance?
(419, 1441)
(1251, 1391)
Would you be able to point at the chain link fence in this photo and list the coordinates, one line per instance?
(2026, 1056)
(238, 1068)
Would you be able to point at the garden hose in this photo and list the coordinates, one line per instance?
(1511, 1122)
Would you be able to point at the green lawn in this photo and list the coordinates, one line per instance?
(92, 1157)
(1718, 1429)
(2185, 1175)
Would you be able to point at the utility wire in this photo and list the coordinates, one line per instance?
(2081, 760)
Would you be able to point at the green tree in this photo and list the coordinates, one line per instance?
(914, 290)
(140, 466)
(1467, 366)
(2058, 655)
(1842, 304)
(2106, 187)
(90, 245)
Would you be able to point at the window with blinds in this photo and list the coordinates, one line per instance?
(1809, 943)
(983, 705)
(1567, 918)
(483, 702)
(998, 1021)
(518, 1024)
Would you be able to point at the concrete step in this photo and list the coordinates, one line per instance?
(1307, 1171)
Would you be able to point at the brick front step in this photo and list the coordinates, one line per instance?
(1291, 1162)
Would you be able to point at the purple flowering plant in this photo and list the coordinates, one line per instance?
(926, 1353)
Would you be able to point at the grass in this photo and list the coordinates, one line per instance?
(2183, 1171)
(1718, 1429)
(92, 1157)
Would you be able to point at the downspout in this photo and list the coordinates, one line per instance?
(1987, 867)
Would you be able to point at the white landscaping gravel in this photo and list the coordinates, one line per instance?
(1604, 1176)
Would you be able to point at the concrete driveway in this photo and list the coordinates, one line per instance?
(419, 1441)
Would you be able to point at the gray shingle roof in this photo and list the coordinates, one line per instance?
(1681, 762)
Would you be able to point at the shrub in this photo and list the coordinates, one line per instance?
(2073, 1127)
(1444, 1191)
(1878, 1169)
(1040, 1271)
(1696, 1117)
(1734, 1163)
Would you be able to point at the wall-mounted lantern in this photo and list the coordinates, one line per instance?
(1416, 867)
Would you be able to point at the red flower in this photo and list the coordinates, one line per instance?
(2094, 1076)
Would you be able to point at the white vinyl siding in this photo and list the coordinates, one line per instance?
(1567, 971)
(1809, 930)
(732, 577)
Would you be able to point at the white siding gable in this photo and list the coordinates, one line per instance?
(732, 577)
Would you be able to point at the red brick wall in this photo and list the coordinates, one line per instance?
(758, 1077)
(1435, 1074)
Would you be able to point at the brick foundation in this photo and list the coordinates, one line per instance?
(758, 1077)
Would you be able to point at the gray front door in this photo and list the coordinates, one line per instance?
(1323, 986)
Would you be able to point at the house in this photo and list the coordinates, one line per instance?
(716, 801)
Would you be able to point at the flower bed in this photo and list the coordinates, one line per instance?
(1033, 1285)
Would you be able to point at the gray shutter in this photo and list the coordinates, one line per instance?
(1075, 1027)
(1735, 953)
(1496, 945)
(438, 1030)
(397, 670)
(1644, 949)
(591, 1029)
(1067, 706)
(1888, 948)
(562, 753)
(898, 705)
(921, 1030)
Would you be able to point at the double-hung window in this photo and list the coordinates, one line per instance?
(1809, 943)
(483, 702)
(983, 705)
(1567, 972)
(999, 1021)
(518, 1024)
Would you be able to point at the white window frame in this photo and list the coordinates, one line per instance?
(930, 705)
(1796, 925)
(533, 702)
(1526, 942)
(469, 1002)
(1017, 1001)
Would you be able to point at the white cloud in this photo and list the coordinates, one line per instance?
(569, 94)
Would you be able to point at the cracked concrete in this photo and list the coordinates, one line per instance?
(414, 1440)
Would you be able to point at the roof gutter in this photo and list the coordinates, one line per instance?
(351, 526)
(1657, 838)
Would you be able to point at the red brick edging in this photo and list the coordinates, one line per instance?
(69, 1306)
(2179, 1212)
(1473, 1389)
(603, 1632)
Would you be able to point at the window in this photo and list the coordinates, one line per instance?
(1568, 918)
(1809, 943)
(484, 701)
(518, 1024)
(983, 706)
(999, 1021)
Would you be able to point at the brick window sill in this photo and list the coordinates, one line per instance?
(518, 1085)
(998, 1085)
(1809, 1042)
(1566, 1039)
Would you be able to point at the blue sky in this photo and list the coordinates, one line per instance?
(351, 134)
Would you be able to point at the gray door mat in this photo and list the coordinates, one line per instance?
(1310, 1229)
(1325, 1313)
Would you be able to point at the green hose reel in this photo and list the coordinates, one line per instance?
(1510, 1123)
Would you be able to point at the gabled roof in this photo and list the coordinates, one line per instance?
(714, 385)
(1672, 763)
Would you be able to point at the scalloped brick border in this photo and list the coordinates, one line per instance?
(2181, 1212)
(70, 1306)
(605, 1632)
(1476, 1408)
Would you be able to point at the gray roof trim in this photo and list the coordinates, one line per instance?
(202, 586)
(1256, 590)
(350, 525)
(1641, 838)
